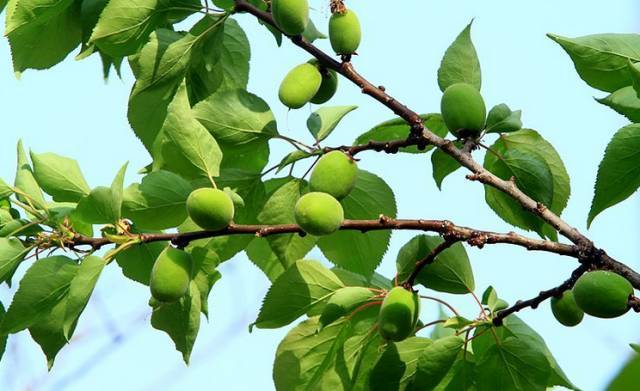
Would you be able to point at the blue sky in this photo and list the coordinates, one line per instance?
(71, 111)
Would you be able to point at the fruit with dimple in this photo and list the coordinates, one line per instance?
(170, 275)
(300, 85)
(211, 209)
(565, 309)
(603, 294)
(398, 314)
(463, 110)
(328, 86)
(318, 213)
(335, 174)
(291, 16)
(343, 302)
(344, 32)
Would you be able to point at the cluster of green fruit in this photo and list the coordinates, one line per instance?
(599, 293)
(211, 209)
(398, 314)
(311, 82)
(319, 212)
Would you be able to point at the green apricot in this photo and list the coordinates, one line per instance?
(344, 32)
(342, 302)
(318, 213)
(335, 174)
(211, 209)
(328, 86)
(170, 275)
(463, 110)
(603, 294)
(300, 85)
(291, 16)
(398, 314)
(565, 309)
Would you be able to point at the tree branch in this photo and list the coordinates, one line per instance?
(419, 134)
(542, 296)
(451, 232)
(428, 259)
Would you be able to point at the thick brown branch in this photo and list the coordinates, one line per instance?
(542, 296)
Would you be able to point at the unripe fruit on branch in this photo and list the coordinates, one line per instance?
(291, 16)
(344, 32)
(211, 209)
(170, 275)
(300, 85)
(343, 302)
(565, 309)
(463, 110)
(318, 213)
(335, 174)
(603, 294)
(328, 86)
(398, 314)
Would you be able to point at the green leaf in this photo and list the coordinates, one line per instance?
(514, 327)
(443, 165)
(356, 251)
(158, 202)
(528, 143)
(59, 176)
(206, 275)
(397, 129)
(450, 272)
(264, 258)
(461, 376)
(396, 367)
(25, 181)
(337, 358)
(311, 32)
(3, 339)
(189, 150)
(619, 172)
(44, 285)
(324, 120)
(457, 323)
(624, 101)
(12, 252)
(634, 71)
(180, 320)
(137, 261)
(439, 331)
(635, 347)
(460, 63)
(48, 331)
(153, 92)
(502, 120)
(41, 38)
(220, 62)
(236, 117)
(80, 291)
(435, 361)
(5, 189)
(601, 59)
(30, 11)
(279, 209)
(293, 157)
(513, 364)
(103, 205)
(125, 26)
(628, 377)
(296, 291)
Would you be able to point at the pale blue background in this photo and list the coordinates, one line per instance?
(71, 111)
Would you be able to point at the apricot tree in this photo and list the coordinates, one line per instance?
(208, 195)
